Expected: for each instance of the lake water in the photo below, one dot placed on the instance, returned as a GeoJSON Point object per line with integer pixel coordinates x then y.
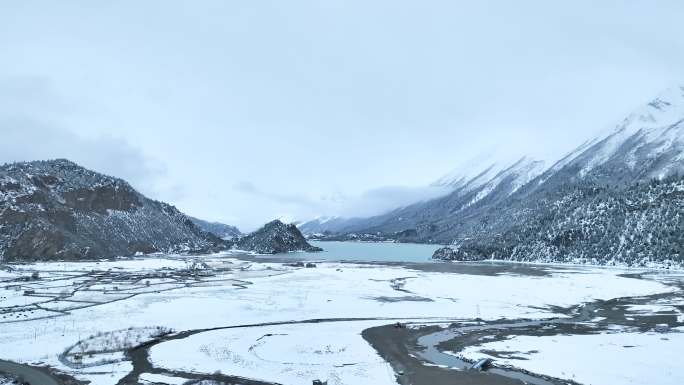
{"type": "Point", "coordinates": [370, 252]}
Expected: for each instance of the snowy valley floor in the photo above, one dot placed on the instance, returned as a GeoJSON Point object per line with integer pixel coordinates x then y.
{"type": "Point", "coordinates": [219, 319]}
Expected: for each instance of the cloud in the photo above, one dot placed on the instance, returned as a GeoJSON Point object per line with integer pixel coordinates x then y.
{"type": "Point", "coordinates": [26, 140]}
{"type": "Point", "coordinates": [249, 188]}
{"type": "Point", "coordinates": [246, 188]}
{"type": "Point", "coordinates": [383, 199]}
{"type": "Point", "coordinates": [30, 112]}
{"type": "Point", "coordinates": [312, 122]}
{"type": "Point", "coordinates": [371, 202]}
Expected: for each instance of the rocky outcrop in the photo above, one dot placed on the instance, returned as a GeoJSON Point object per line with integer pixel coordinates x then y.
{"type": "Point", "coordinates": [445, 253]}
{"type": "Point", "coordinates": [275, 237]}
{"type": "Point", "coordinates": [59, 210]}
{"type": "Point", "coordinates": [451, 254]}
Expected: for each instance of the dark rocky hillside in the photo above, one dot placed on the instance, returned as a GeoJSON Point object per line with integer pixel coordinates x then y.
{"type": "Point", "coordinates": [59, 210]}
{"type": "Point", "coordinates": [275, 237]}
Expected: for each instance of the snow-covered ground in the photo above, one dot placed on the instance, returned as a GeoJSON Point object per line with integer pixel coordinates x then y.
{"type": "Point", "coordinates": [136, 264]}
{"type": "Point", "coordinates": [151, 378]}
{"type": "Point", "coordinates": [289, 354]}
{"type": "Point", "coordinates": [509, 296]}
{"type": "Point", "coordinates": [596, 359]}
{"type": "Point", "coordinates": [277, 293]}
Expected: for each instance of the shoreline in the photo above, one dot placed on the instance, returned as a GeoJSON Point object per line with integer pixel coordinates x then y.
{"type": "Point", "coordinates": [301, 256]}
{"type": "Point", "coordinates": [418, 357]}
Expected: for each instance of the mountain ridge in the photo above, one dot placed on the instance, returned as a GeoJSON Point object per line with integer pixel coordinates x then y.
{"type": "Point", "coordinates": [542, 219]}
{"type": "Point", "coordinates": [56, 209]}
{"type": "Point", "coordinates": [221, 230]}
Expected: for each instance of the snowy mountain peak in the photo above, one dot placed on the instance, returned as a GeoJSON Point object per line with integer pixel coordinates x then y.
{"type": "Point", "coordinates": [509, 179]}
{"type": "Point", "coordinates": [465, 173]}
{"type": "Point", "coordinates": [467, 179]}
{"type": "Point", "coordinates": [665, 110]}
{"type": "Point", "coordinates": [319, 220]}
{"type": "Point", "coordinates": [649, 141]}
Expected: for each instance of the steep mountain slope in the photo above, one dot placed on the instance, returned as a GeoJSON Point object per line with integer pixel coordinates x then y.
{"type": "Point", "coordinates": [221, 230]}
{"type": "Point", "coordinates": [617, 199]}
{"type": "Point", "coordinates": [649, 143]}
{"type": "Point", "coordinates": [423, 221]}
{"type": "Point", "coordinates": [275, 237]}
{"type": "Point", "coordinates": [318, 225]}
{"type": "Point", "coordinates": [330, 225]}
{"type": "Point", "coordinates": [59, 210]}
{"type": "Point", "coordinates": [642, 225]}
{"type": "Point", "coordinates": [470, 178]}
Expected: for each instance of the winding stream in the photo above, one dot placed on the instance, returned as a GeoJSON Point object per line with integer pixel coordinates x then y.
{"type": "Point", "coordinates": [432, 354]}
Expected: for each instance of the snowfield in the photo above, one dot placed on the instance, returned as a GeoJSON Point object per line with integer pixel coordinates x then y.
{"type": "Point", "coordinates": [622, 358]}
{"type": "Point", "coordinates": [289, 354]}
{"type": "Point", "coordinates": [150, 378]}
{"type": "Point", "coordinates": [512, 296]}
{"type": "Point", "coordinates": [248, 293]}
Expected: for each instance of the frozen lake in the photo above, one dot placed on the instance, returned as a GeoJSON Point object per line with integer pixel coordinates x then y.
{"type": "Point", "coordinates": [369, 252]}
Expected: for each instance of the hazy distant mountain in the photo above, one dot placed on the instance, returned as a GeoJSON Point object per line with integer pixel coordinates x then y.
{"type": "Point", "coordinates": [418, 222]}
{"type": "Point", "coordinates": [57, 209]}
{"type": "Point", "coordinates": [221, 230]}
{"type": "Point", "coordinates": [616, 199]}
{"type": "Point", "coordinates": [323, 225]}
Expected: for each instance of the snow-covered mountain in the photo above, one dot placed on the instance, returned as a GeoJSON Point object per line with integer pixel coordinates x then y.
{"type": "Point", "coordinates": [473, 176]}
{"type": "Point", "coordinates": [618, 198]}
{"type": "Point", "coordinates": [60, 210]}
{"type": "Point", "coordinates": [514, 175]}
{"type": "Point", "coordinates": [221, 230]}
{"type": "Point", "coordinates": [318, 225]}
{"type": "Point", "coordinates": [469, 186]}
{"type": "Point", "coordinates": [649, 143]}
{"type": "Point", "coordinates": [57, 209]}
{"type": "Point", "coordinates": [325, 225]}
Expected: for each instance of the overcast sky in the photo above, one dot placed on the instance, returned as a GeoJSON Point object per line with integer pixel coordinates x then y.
{"type": "Point", "coordinates": [244, 111]}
